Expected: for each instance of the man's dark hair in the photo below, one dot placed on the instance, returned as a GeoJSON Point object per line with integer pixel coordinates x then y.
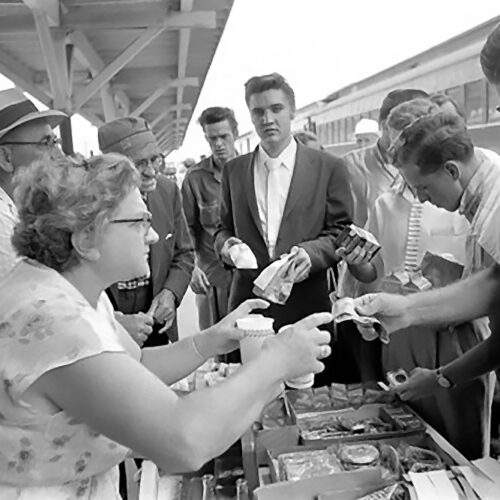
{"type": "Point", "coordinates": [490, 57]}
{"type": "Point", "coordinates": [258, 84]}
{"type": "Point", "coordinates": [440, 98]}
{"type": "Point", "coordinates": [218, 114]}
{"type": "Point", "coordinates": [404, 114]}
{"type": "Point", "coordinates": [395, 97]}
{"type": "Point", "coordinates": [433, 140]}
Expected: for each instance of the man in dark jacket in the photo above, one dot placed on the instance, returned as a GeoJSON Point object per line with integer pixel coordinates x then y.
{"type": "Point", "coordinates": [284, 197]}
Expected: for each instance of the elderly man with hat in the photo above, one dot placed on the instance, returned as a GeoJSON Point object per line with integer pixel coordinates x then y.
{"type": "Point", "coordinates": [25, 136]}
{"type": "Point", "coordinates": [148, 303]}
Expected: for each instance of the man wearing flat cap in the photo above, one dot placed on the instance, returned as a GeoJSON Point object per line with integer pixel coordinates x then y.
{"type": "Point", "coordinates": [25, 136]}
{"type": "Point", "coordinates": [148, 303]}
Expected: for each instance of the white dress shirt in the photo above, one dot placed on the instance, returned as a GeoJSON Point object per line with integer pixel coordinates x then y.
{"type": "Point", "coordinates": [8, 220]}
{"type": "Point", "coordinates": [271, 219]}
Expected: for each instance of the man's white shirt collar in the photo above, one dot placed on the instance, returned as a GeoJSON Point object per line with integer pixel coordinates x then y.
{"type": "Point", "coordinates": [286, 157]}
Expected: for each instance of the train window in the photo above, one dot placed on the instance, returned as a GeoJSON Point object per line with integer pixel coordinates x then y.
{"type": "Point", "coordinates": [342, 136]}
{"type": "Point", "coordinates": [338, 126]}
{"type": "Point", "coordinates": [475, 102]}
{"type": "Point", "coordinates": [350, 129]}
{"type": "Point", "coordinates": [458, 94]}
{"type": "Point", "coordinates": [329, 139]}
{"type": "Point", "coordinates": [321, 133]}
{"type": "Point", "coordinates": [493, 101]}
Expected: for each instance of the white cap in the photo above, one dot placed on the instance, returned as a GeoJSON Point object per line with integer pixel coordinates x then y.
{"type": "Point", "coordinates": [366, 126]}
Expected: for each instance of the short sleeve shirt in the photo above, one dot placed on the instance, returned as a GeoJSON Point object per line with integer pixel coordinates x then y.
{"type": "Point", "coordinates": [8, 220]}
{"type": "Point", "coordinates": [46, 323]}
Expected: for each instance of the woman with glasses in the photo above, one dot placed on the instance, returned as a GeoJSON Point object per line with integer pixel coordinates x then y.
{"type": "Point", "coordinates": [77, 393]}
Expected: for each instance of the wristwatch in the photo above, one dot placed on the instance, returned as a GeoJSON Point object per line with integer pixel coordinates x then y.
{"type": "Point", "coordinates": [443, 381]}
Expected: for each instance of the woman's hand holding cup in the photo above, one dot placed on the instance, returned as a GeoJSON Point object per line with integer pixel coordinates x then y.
{"type": "Point", "coordinates": [301, 347]}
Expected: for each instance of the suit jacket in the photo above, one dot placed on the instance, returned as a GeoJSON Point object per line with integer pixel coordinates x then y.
{"type": "Point", "coordinates": [318, 206]}
{"type": "Point", "coordinates": [172, 256]}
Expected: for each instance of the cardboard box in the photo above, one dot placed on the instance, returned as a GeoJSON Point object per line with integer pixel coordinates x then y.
{"type": "Point", "coordinates": [364, 412]}
{"type": "Point", "coordinates": [343, 486]}
{"type": "Point", "coordinates": [267, 437]}
{"type": "Point", "coordinates": [347, 485]}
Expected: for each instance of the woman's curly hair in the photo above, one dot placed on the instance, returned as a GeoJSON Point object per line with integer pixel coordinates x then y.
{"type": "Point", "coordinates": [58, 198]}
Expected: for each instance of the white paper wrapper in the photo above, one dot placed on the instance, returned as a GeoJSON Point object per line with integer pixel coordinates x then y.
{"type": "Point", "coordinates": [242, 256]}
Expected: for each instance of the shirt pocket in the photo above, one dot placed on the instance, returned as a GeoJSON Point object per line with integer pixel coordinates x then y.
{"type": "Point", "coordinates": [209, 214]}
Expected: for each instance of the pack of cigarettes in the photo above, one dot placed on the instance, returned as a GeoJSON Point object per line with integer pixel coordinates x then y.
{"type": "Point", "coordinates": [353, 236]}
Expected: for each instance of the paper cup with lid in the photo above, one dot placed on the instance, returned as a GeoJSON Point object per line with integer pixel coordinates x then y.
{"type": "Point", "coordinates": [256, 328]}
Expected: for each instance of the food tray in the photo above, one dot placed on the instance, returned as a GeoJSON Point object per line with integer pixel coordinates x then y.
{"type": "Point", "coordinates": [398, 468]}
{"type": "Point", "coordinates": [367, 423]}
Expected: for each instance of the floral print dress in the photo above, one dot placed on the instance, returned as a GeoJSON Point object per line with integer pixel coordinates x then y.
{"type": "Point", "coordinates": [46, 323]}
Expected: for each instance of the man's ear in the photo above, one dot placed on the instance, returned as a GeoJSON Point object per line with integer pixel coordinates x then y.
{"type": "Point", "coordinates": [6, 159]}
{"type": "Point", "coordinates": [84, 243]}
{"type": "Point", "coordinates": [452, 168]}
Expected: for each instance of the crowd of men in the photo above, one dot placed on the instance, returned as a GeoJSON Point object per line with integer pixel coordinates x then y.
{"type": "Point", "coordinates": [290, 196]}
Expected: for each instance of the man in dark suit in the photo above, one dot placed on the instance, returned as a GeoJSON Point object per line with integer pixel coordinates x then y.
{"type": "Point", "coordinates": [283, 197]}
{"type": "Point", "coordinates": [148, 304]}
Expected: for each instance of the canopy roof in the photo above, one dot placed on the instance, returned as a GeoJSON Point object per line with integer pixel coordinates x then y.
{"type": "Point", "coordinates": [110, 58]}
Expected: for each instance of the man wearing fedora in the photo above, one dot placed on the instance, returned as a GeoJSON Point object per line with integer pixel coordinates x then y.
{"type": "Point", "coordinates": [148, 304]}
{"type": "Point", "coordinates": [25, 136]}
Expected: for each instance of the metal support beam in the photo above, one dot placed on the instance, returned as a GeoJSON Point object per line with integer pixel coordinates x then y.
{"type": "Point", "coordinates": [23, 77]}
{"type": "Point", "coordinates": [169, 134]}
{"type": "Point", "coordinates": [113, 18]}
{"type": "Point", "coordinates": [50, 7]}
{"type": "Point", "coordinates": [54, 53]}
{"type": "Point", "coordinates": [108, 104]}
{"type": "Point", "coordinates": [184, 39]}
{"type": "Point", "coordinates": [122, 60]}
{"type": "Point", "coordinates": [173, 125]}
{"type": "Point", "coordinates": [88, 56]}
{"type": "Point", "coordinates": [178, 108]}
{"type": "Point", "coordinates": [178, 82]}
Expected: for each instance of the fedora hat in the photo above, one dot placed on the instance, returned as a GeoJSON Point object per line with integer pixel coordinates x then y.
{"type": "Point", "coordinates": [16, 110]}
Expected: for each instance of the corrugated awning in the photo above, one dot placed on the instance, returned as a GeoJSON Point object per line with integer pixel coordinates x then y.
{"type": "Point", "coordinates": [110, 58]}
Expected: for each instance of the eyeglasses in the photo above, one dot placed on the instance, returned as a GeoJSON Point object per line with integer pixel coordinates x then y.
{"type": "Point", "coordinates": [144, 221]}
{"type": "Point", "coordinates": [156, 161]}
{"type": "Point", "coordinates": [48, 141]}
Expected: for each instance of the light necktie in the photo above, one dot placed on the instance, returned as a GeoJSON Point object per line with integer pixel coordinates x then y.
{"type": "Point", "coordinates": [273, 218]}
